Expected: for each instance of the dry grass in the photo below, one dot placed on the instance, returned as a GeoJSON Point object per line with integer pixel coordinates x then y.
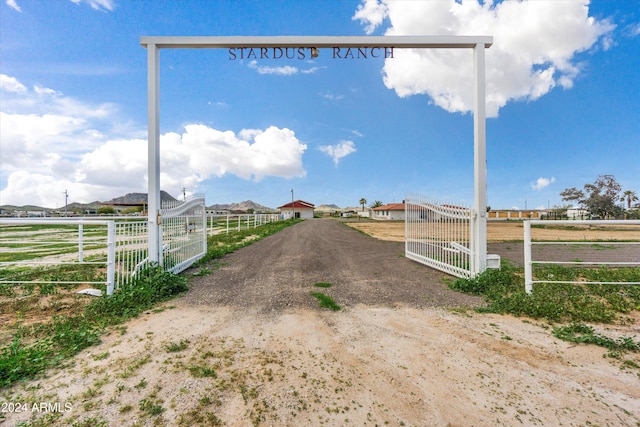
{"type": "Point", "coordinates": [508, 231]}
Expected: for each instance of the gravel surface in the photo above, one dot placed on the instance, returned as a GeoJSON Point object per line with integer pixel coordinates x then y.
{"type": "Point", "coordinates": [280, 271]}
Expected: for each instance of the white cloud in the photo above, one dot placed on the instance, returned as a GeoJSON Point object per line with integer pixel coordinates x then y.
{"type": "Point", "coordinates": [286, 70]}
{"type": "Point", "coordinates": [98, 4]}
{"type": "Point", "coordinates": [535, 43]}
{"type": "Point", "coordinates": [331, 97]}
{"type": "Point", "coordinates": [372, 13]}
{"type": "Point", "coordinates": [634, 29]}
{"type": "Point", "coordinates": [542, 183]}
{"type": "Point", "coordinates": [51, 143]}
{"type": "Point", "coordinates": [107, 5]}
{"type": "Point", "coordinates": [14, 5]}
{"type": "Point", "coordinates": [11, 84]}
{"type": "Point", "coordinates": [338, 151]}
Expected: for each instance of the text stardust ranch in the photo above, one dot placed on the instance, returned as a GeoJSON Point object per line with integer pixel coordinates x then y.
{"type": "Point", "coordinates": [300, 53]}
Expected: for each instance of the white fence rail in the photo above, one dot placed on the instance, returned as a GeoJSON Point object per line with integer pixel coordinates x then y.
{"type": "Point", "coordinates": [220, 223]}
{"type": "Point", "coordinates": [117, 244]}
{"type": "Point", "coordinates": [60, 237]}
{"type": "Point", "coordinates": [439, 235]}
{"type": "Point", "coordinates": [529, 242]}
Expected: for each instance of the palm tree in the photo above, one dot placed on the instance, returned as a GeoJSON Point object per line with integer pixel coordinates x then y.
{"type": "Point", "coordinates": [376, 204]}
{"type": "Point", "coordinates": [363, 202]}
{"type": "Point", "coordinates": [629, 196]}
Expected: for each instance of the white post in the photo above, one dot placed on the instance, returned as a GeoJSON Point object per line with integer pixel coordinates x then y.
{"type": "Point", "coordinates": [80, 244]}
{"type": "Point", "coordinates": [528, 266]}
{"type": "Point", "coordinates": [153, 166]}
{"type": "Point", "coordinates": [111, 256]}
{"type": "Point", "coordinates": [204, 231]}
{"type": "Point", "coordinates": [479, 263]}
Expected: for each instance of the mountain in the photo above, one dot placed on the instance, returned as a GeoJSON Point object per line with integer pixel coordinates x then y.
{"type": "Point", "coordinates": [328, 208]}
{"type": "Point", "coordinates": [137, 199]}
{"type": "Point", "coordinates": [242, 206]}
{"type": "Point", "coordinates": [23, 208]}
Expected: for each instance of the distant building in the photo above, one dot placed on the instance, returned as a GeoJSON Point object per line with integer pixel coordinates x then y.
{"type": "Point", "coordinates": [516, 214]}
{"type": "Point", "coordinates": [299, 208]}
{"type": "Point", "coordinates": [577, 213]}
{"type": "Point", "coordinates": [390, 212]}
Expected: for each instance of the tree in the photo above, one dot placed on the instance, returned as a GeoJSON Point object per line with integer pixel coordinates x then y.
{"type": "Point", "coordinates": [106, 210]}
{"type": "Point", "coordinates": [599, 198]}
{"type": "Point", "coordinates": [363, 202]}
{"type": "Point", "coordinates": [376, 204]}
{"type": "Point", "coordinates": [629, 196]}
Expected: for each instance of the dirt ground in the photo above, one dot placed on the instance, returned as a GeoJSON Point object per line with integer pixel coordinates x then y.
{"type": "Point", "coordinates": [249, 345]}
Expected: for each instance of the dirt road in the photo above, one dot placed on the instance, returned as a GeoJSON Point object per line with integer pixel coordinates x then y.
{"type": "Point", "coordinates": [248, 345]}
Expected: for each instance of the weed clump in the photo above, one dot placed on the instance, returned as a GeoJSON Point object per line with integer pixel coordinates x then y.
{"type": "Point", "coordinates": [326, 301]}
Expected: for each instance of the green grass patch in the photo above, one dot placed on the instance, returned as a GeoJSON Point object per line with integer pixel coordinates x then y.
{"type": "Point", "coordinates": [581, 333]}
{"type": "Point", "coordinates": [504, 292]}
{"type": "Point", "coordinates": [322, 285]}
{"type": "Point", "coordinates": [326, 301]}
{"type": "Point", "coordinates": [557, 302]}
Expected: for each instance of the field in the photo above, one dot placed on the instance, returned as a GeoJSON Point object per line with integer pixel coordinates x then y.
{"type": "Point", "coordinates": [248, 344]}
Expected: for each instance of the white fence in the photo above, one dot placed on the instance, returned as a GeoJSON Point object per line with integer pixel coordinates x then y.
{"type": "Point", "coordinates": [219, 223]}
{"type": "Point", "coordinates": [529, 242]}
{"type": "Point", "coordinates": [119, 244]}
{"type": "Point", "coordinates": [439, 235]}
{"type": "Point", "coordinates": [60, 236]}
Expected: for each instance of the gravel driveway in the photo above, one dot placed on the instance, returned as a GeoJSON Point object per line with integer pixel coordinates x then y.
{"type": "Point", "coordinates": [280, 271]}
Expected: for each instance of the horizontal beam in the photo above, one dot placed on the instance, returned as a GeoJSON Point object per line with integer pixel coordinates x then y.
{"type": "Point", "coordinates": [432, 42]}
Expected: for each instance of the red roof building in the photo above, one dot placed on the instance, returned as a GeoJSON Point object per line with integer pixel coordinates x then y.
{"type": "Point", "coordinates": [297, 209]}
{"type": "Point", "coordinates": [392, 211]}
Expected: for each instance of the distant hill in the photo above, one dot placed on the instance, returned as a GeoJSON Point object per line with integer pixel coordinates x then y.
{"type": "Point", "coordinates": [241, 206]}
{"type": "Point", "coordinates": [328, 208]}
{"type": "Point", "coordinates": [23, 208]}
{"type": "Point", "coordinates": [137, 199]}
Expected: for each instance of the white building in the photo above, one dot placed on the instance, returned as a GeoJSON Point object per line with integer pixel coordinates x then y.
{"type": "Point", "coordinates": [299, 208]}
{"type": "Point", "coordinates": [391, 212]}
{"type": "Point", "coordinates": [577, 213]}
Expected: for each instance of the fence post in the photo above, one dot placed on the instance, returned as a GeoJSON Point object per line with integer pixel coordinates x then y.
{"type": "Point", "coordinates": [204, 231]}
{"type": "Point", "coordinates": [80, 246]}
{"type": "Point", "coordinates": [111, 256]}
{"type": "Point", "coordinates": [528, 273]}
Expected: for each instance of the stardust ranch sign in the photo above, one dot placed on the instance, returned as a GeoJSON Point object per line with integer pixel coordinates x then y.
{"type": "Point", "coordinates": [308, 52]}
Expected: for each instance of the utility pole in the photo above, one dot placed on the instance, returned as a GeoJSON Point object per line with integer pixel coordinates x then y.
{"type": "Point", "coordinates": [293, 206]}
{"type": "Point", "coordinates": [66, 198]}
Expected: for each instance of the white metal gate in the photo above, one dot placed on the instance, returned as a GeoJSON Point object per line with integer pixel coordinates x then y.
{"type": "Point", "coordinates": [184, 233]}
{"type": "Point", "coordinates": [439, 235]}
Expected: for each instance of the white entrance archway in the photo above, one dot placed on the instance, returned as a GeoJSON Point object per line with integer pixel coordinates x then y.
{"type": "Point", "coordinates": [476, 43]}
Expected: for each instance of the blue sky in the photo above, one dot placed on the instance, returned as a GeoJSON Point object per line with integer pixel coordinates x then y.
{"type": "Point", "coordinates": [563, 95]}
